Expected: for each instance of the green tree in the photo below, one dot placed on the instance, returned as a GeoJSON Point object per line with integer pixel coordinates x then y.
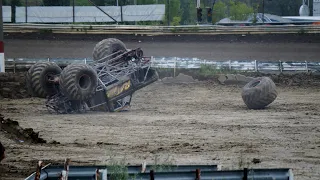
{"type": "Point", "coordinates": [56, 2]}
{"type": "Point", "coordinates": [185, 12]}
{"type": "Point", "coordinates": [172, 10]}
{"type": "Point", "coordinates": [176, 21]}
{"type": "Point", "coordinates": [142, 2]}
{"type": "Point", "coordinates": [239, 10]}
{"type": "Point", "coordinates": [219, 11]}
{"type": "Point", "coordinates": [5, 2]}
{"type": "Point", "coordinates": [255, 12]}
{"type": "Point", "coordinates": [282, 7]}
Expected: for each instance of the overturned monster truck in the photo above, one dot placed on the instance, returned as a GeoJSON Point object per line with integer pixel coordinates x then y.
{"type": "Point", "coordinates": [106, 85]}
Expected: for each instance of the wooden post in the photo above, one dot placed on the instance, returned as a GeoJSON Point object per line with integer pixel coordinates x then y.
{"type": "Point", "coordinates": [38, 170]}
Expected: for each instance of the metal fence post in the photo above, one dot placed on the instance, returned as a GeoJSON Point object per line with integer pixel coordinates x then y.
{"type": "Point", "coordinates": [48, 59]}
{"type": "Point", "coordinates": [73, 18]}
{"type": "Point", "coordinates": [121, 13]}
{"type": "Point", "coordinates": [85, 60]}
{"type": "Point", "coordinates": [280, 66]}
{"type": "Point", "coordinates": [230, 65]}
{"type": "Point", "coordinates": [26, 11]}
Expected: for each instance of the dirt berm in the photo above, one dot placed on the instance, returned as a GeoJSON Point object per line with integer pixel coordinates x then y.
{"type": "Point", "coordinates": [13, 85]}
{"type": "Point", "coordinates": [17, 133]}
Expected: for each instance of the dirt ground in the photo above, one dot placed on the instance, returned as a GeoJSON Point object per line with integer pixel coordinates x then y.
{"type": "Point", "coordinates": [284, 47]}
{"type": "Point", "coordinates": [196, 123]}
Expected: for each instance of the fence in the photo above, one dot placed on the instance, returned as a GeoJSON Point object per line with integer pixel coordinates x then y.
{"type": "Point", "coordinates": [168, 173]}
{"type": "Point", "coordinates": [6, 13]}
{"type": "Point", "coordinates": [22, 64]}
{"type": "Point", "coordinates": [68, 14]}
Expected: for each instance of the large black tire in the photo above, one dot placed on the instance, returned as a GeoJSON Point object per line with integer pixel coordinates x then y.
{"type": "Point", "coordinates": [78, 82]}
{"type": "Point", "coordinates": [28, 82]}
{"type": "Point", "coordinates": [259, 93]}
{"type": "Point", "coordinates": [107, 47]}
{"type": "Point", "coordinates": [37, 79]}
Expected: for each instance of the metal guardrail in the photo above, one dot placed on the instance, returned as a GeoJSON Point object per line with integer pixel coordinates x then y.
{"type": "Point", "coordinates": [23, 64]}
{"type": "Point", "coordinates": [129, 29]}
{"type": "Point", "coordinates": [246, 174]}
{"type": "Point", "coordinates": [184, 172]}
{"type": "Point", "coordinates": [267, 23]}
{"type": "Point", "coordinates": [89, 171]}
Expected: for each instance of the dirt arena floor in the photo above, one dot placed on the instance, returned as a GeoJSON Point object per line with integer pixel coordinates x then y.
{"type": "Point", "coordinates": [197, 123]}
{"type": "Point", "coordinates": [284, 47]}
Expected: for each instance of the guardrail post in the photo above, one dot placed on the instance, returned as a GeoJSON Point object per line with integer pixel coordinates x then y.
{"type": "Point", "coordinates": [48, 59]}
{"type": "Point", "coordinates": [151, 175]}
{"type": "Point", "coordinates": [197, 174]}
{"type": "Point", "coordinates": [245, 174]}
{"type": "Point", "coordinates": [307, 67]}
{"type": "Point", "coordinates": [230, 65]}
{"type": "Point", "coordinates": [85, 60]}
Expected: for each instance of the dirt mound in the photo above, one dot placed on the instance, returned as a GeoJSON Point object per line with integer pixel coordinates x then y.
{"type": "Point", "coordinates": [16, 132]}
{"type": "Point", "coordinates": [181, 78]}
{"type": "Point", "coordinates": [296, 79]}
{"type": "Point", "coordinates": [300, 79]}
{"type": "Point", "coordinates": [283, 79]}
{"type": "Point", "coordinates": [13, 85]}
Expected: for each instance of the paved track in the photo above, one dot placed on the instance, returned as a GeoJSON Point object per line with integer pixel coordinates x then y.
{"type": "Point", "coordinates": [230, 48]}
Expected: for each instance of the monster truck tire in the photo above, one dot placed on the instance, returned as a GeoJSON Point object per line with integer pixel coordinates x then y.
{"type": "Point", "coordinates": [78, 82]}
{"type": "Point", "coordinates": [28, 82]}
{"type": "Point", "coordinates": [37, 79]}
{"type": "Point", "coordinates": [107, 47]}
{"type": "Point", "coordinates": [259, 93]}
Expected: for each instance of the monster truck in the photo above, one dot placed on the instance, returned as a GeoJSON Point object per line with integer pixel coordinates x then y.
{"type": "Point", "coordinates": [106, 85]}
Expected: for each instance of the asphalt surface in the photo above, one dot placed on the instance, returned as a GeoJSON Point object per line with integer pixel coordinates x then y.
{"type": "Point", "coordinates": [229, 47]}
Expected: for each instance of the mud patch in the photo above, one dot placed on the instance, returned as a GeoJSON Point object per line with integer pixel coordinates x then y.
{"type": "Point", "coordinates": [19, 134]}
{"type": "Point", "coordinates": [12, 172]}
